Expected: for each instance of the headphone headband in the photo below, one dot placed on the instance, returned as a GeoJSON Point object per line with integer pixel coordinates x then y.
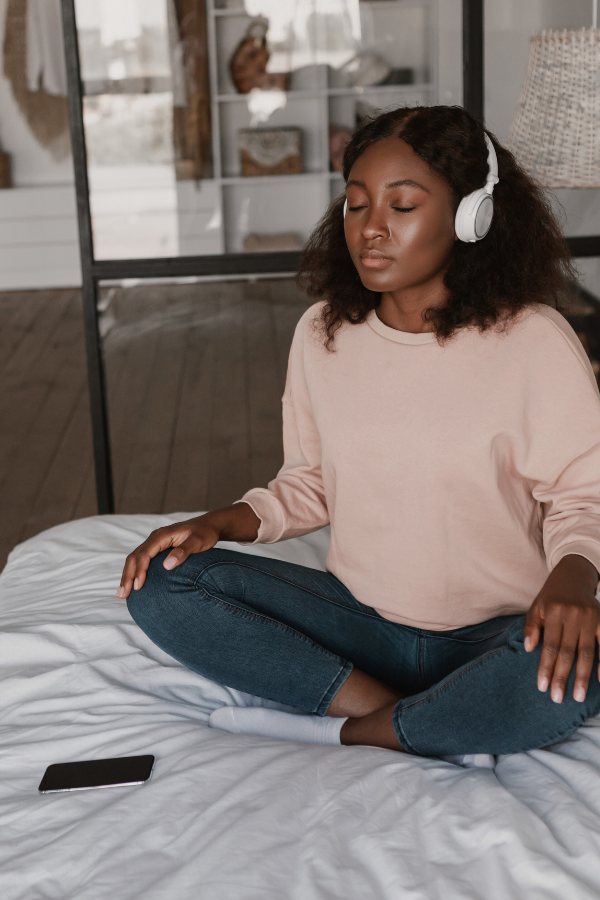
{"type": "Point", "coordinates": [475, 211]}
{"type": "Point", "coordinates": [492, 175]}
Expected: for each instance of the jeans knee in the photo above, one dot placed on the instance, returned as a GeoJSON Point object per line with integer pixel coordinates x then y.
{"type": "Point", "coordinates": [146, 603]}
{"type": "Point", "coordinates": [165, 592]}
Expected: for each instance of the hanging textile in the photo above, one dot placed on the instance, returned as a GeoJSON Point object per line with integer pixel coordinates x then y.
{"type": "Point", "coordinates": [45, 48]}
{"type": "Point", "coordinates": [192, 122]}
{"type": "Point", "coordinates": [176, 53]}
{"type": "Point", "coordinates": [47, 114]}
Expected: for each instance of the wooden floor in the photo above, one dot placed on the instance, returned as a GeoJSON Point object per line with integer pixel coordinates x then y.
{"type": "Point", "coordinates": [195, 376]}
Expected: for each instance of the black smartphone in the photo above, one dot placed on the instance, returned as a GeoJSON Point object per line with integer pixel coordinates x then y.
{"type": "Point", "coordinates": [96, 773]}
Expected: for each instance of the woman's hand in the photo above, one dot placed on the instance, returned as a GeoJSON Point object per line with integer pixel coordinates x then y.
{"type": "Point", "coordinates": [233, 523]}
{"type": "Point", "coordinates": [567, 609]}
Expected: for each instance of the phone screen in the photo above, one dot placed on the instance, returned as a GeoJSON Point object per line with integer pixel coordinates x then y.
{"type": "Point", "coordinates": [96, 773]}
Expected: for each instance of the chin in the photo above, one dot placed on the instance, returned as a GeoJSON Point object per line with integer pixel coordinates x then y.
{"type": "Point", "coordinates": [378, 283]}
{"type": "Point", "coordinates": [378, 280]}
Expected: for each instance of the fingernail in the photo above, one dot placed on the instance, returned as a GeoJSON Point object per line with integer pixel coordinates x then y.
{"type": "Point", "coordinates": [136, 585]}
{"type": "Point", "coordinates": [557, 695]}
{"type": "Point", "coordinates": [170, 562]}
{"type": "Point", "coordinates": [527, 644]}
{"type": "Point", "coordinates": [543, 684]}
{"type": "Point", "coordinates": [579, 694]}
{"type": "Point", "coordinates": [121, 592]}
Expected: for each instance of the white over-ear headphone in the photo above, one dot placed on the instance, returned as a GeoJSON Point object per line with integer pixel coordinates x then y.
{"type": "Point", "coordinates": [475, 211]}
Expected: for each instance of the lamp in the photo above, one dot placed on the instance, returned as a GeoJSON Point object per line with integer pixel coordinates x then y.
{"type": "Point", "coordinates": [555, 134]}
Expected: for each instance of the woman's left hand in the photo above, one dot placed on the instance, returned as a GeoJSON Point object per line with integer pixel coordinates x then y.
{"type": "Point", "coordinates": [567, 610]}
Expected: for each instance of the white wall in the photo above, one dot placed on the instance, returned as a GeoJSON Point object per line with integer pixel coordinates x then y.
{"type": "Point", "coordinates": [509, 25]}
{"type": "Point", "coordinates": [38, 222]}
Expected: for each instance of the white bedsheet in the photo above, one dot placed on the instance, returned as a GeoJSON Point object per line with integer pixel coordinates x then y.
{"type": "Point", "coordinates": [238, 817]}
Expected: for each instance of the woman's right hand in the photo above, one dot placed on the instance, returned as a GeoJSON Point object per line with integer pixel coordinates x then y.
{"type": "Point", "coordinates": [235, 523]}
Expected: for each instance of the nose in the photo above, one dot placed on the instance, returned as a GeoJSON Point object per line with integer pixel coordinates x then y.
{"type": "Point", "coordinates": [375, 223]}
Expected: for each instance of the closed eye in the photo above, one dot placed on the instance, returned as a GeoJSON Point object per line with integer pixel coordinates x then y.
{"type": "Point", "coordinates": [404, 209]}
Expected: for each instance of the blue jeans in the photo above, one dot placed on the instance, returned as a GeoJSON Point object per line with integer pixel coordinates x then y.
{"type": "Point", "coordinates": [293, 634]}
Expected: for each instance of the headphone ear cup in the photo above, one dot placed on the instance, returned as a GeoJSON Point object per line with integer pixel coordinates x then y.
{"type": "Point", "coordinates": [345, 208]}
{"type": "Point", "coordinates": [474, 216]}
{"type": "Point", "coordinates": [461, 221]}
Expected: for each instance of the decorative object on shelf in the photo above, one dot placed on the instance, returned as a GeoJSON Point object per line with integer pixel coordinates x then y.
{"type": "Point", "coordinates": [366, 69]}
{"type": "Point", "coordinates": [307, 78]}
{"type": "Point", "coordinates": [47, 114]}
{"type": "Point", "coordinates": [265, 243]}
{"type": "Point", "coordinates": [248, 64]}
{"type": "Point", "coordinates": [5, 179]}
{"type": "Point", "coordinates": [400, 76]}
{"type": "Point", "coordinates": [556, 128]}
{"type": "Point", "coordinates": [270, 151]}
{"type": "Point", "coordinates": [338, 139]}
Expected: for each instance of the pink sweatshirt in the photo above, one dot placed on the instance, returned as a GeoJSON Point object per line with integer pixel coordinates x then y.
{"type": "Point", "coordinates": [454, 478]}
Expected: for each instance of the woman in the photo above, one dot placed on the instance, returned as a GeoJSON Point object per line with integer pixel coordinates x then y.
{"type": "Point", "coordinates": [441, 414]}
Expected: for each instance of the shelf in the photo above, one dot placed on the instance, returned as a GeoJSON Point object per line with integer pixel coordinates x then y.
{"type": "Point", "coordinates": [259, 179]}
{"type": "Point", "coordinates": [372, 4]}
{"type": "Point", "coordinates": [390, 4]}
{"type": "Point", "coordinates": [377, 88]}
{"type": "Point", "coordinates": [225, 13]}
{"type": "Point", "coordinates": [317, 99]}
{"type": "Point", "coordinates": [293, 95]}
{"type": "Point", "coordinates": [272, 179]}
{"type": "Point", "coordinates": [358, 91]}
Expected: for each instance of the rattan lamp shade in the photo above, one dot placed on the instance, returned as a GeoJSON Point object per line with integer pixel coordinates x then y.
{"type": "Point", "coordinates": [555, 134]}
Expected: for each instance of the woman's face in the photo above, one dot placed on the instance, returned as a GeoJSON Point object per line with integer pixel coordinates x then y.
{"type": "Point", "coordinates": [400, 221]}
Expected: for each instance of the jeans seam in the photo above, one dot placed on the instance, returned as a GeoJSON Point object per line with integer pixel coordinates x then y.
{"type": "Point", "coordinates": [454, 677]}
{"type": "Point", "coordinates": [421, 658]}
{"type": "Point", "coordinates": [207, 566]}
{"type": "Point", "coordinates": [260, 616]}
{"type": "Point", "coordinates": [546, 741]}
{"type": "Point", "coordinates": [343, 668]}
{"type": "Point", "coordinates": [440, 635]}
{"type": "Point", "coordinates": [401, 707]}
{"type": "Point", "coordinates": [403, 740]}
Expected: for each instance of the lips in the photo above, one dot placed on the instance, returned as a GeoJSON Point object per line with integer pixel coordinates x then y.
{"type": "Point", "coordinates": [373, 259]}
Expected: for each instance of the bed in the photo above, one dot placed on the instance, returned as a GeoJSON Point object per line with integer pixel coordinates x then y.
{"type": "Point", "coordinates": [239, 817]}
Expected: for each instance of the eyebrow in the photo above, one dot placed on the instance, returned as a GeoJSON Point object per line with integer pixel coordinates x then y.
{"type": "Point", "coordinates": [392, 184]}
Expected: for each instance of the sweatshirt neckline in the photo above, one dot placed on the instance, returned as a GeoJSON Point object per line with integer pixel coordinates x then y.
{"type": "Point", "coordinates": [401, 337]}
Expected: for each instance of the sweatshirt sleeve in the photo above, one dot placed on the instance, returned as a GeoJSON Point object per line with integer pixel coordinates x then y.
{"type": "Point", "coordinates": [562, 420]}
{"type": "Point", "coordinates": [294, 502]}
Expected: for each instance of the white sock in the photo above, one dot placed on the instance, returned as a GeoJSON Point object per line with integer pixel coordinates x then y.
{"type": "Point", "coordinates": [275, 724]}
{"type": "Point", "coordinates": [472, 760]}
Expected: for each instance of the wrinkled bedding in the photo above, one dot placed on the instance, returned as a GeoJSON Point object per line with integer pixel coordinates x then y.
{"type": "Point", "coordinates": [238, 817]}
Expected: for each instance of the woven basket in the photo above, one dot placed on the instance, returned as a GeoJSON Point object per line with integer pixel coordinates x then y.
{"type": "Point", "coordinates": [555, 134]}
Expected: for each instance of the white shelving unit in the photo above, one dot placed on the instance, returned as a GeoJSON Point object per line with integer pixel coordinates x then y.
{"type": "Point", "coordinates": [404, 32]}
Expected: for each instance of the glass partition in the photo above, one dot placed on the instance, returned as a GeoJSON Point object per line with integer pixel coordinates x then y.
{"type": "Point", "coordinates": [218, 126]}
{"type": "Point", "coordinates": [195, 375]}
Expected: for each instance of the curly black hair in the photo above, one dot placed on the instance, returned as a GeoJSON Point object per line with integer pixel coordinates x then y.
{"type": "Point", "coordinates": [524, 259]}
